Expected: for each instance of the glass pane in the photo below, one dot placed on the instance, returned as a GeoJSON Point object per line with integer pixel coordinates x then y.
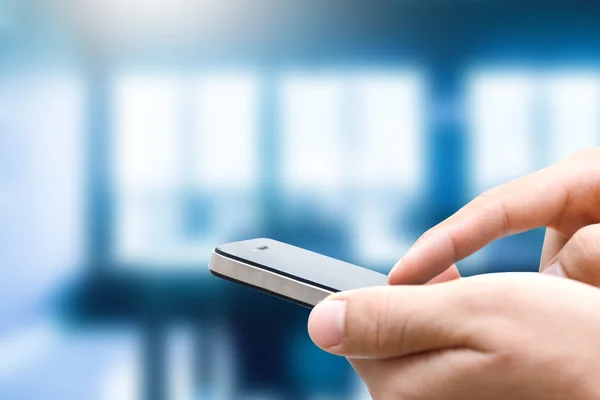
{"type": "Point", "coordinates": [379, 240]}
{"type": "Point", "coordinates": [185, 166]}
{"type": "Point", "coordinates": [574, 113]}
{"type": "Point", "coordinates": [42, 127]}
{"type": "Point", "coordinates": [388, 110]}
{"type": "Point", "coordinates": [502, 127]}
{"type": "Point", "coordinates": [313, 133]}
{"type": "Point", "coordinates": [390, 130]}
{"type": "Point", "coordinates": [226, 131]}
{"type": "Point", "coordinates": [147, 226]}
{"type": "Point", "coordinates": [147, 140]}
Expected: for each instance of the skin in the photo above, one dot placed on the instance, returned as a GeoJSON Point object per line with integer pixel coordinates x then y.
{"type": "Point", "coordinates": [525, 336]}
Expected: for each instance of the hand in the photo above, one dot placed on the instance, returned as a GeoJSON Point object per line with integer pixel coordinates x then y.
{"type": "Point", "coordinates": [565, 198]}
{"type": "Point", "coordinates": [505, 336]}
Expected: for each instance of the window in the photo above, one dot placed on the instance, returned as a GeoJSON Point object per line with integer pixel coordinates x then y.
{"type": "Point", "coordinates": [187, 167]}
{"type": "Point", "coordinates": [352, 148]}
{"type": "Point", "coordinates": [573, 102]}
{"type": "Point", "coordinates": [148, 115]}
{"type": "Point", "coordinates": [502, 124]}
{"type": "Point", "coordinates": [389, 117]}
{"type": "Point", "coordinates": [226, 125]}
{"type": "Point", "coordinates": [147, 165]}
{"type": "Point", "coordinates": [42, 122]}
{"type": "Point", "coordinates": [185, 164]}
{"type": "Point", "coordinates": [389, 153]}
{"type": "Point", "coordinates": [313, 115]}
{"type": "Point", "coordinates": [522, 121]}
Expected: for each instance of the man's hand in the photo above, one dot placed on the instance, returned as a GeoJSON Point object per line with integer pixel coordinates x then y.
{"type": "Point", "coordinates": [505, 336]}
{"type": "Point", "coordinates": [565, 198]}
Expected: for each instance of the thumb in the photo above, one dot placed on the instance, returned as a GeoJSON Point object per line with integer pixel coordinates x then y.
{"type": "Point", "coordinates": [579, 259]}
{"type": "Point", "coordinates": [394, 321]}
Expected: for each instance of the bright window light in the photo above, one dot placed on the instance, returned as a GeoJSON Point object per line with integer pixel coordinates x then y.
{"type": "Point", "coordinates": [502, 121]}
{"type": "Point", "coordinates": [573, 112]}
{"type": "Point", "coordinates": [148, 131]}
{"type": "Point", "coordinates": [378, 239]}
{"type": "Point", "coordinates": [185, 165]}
{"type": "Point", "coordinates": [42, 126]}
{"type": "Point", "coordinates": [387, 112]}
{"type": "Point", "coordinates": [147, 227]}
{"type": "Point", "coordinates": [226, 145]}
{"type": "Point", "coordinates": [123, 379]}
{"type": "Point", "coordinates": [147, 151]}
{"type": "Point", "coordinates": [390, 130]}
{"type": "Point", "coordinates": [181, 349]}
{"type": "Point", "coordinates": [313, 133]}
{"type": "Point", "coordinates": [22, 350]}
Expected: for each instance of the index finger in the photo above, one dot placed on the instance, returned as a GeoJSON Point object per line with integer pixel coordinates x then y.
{"type": "Point", "coordinates": [526, 203]}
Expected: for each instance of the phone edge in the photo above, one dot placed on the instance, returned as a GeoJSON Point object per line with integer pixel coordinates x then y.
{"type": "Point", "coordinates": [266, 281]}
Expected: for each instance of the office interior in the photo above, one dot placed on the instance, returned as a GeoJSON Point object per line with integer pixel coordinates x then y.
{"type": "Point", "coordinates": [135, 136]}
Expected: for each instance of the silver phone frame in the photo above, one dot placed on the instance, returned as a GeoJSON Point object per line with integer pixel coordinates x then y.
{"type": "Point", "coordinates": [278, 285]}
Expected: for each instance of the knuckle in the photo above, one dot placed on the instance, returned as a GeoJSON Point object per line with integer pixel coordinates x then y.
{"type": "Point", "coordinates": [581, 260]}
{"type": "Point", "coordinates": [587, 244]}
{"type": "Point", "coordinates": [385, 331]}
{"type": "Point", "coordinates": [493, 205]}
{"type": "Point", "coordinates": [381, 323]}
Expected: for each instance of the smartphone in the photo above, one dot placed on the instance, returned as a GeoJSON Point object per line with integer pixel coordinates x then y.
{"type": "Point", "coordinates": [288, 272]}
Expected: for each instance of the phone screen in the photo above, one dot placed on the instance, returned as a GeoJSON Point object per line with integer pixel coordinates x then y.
{"type": "Point", "coordinates": [302, 265]}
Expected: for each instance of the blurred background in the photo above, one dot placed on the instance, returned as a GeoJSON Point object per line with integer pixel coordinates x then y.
{"type": "Point", "coordinates": [136, 135]}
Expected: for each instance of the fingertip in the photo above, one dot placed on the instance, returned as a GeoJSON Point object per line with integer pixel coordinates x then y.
{"type": "Point", "coordinates": [404, 273]}
{"type": "Point", "coordinates": [427, 259]}
{"type": "Point", "coordinates": [392, 274]}
{"type": "Point", "coordinates": [326, 323]}
{"type": "Point", "coordinates": [555, 269]}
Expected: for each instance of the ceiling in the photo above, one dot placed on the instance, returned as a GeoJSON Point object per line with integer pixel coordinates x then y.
{"type": "Point", "coordinates": [278, 30]}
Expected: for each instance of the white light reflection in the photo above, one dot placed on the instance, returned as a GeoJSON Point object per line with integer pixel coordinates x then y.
{"type": "Point", "coordinates": [313, 133]}
{"type": "Point", "coordinates": [389, 152]}
{"type": "Point", "coordinates": [502, 120]}
{"type": "Point", "coordinates": [573, 112]}
{"type": "Point", "coordinates": [148, 132]}
{"type": "Point", "coordinates": [227, 124]}
{"type": "Point", "coordinates": [390, 130]}
{"type": "Point", "coordinates": [185, 149]}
